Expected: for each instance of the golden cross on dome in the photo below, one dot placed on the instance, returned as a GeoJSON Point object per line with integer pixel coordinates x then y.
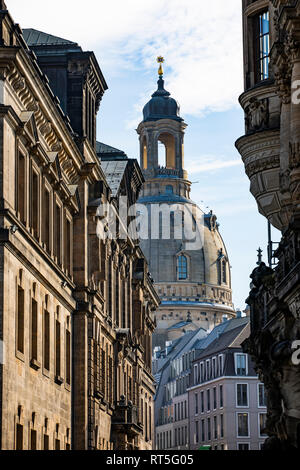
{"type": "Point", "coordinates": [160, 61]}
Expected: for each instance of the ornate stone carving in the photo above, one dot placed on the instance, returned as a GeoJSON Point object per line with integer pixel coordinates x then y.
{"type": "Point", "coordinates": [57, 147]}
{"type": "Point", "coordinates": [294, 155]}
{"type": "Point", "coordinates": [257, 114]}
{"type": "Point", "coordinates": [46, 128]}
{"type": "Point", "coordinates": [19, 84]}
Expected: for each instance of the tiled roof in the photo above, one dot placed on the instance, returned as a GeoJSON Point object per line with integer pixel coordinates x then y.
{"type": "Point", "coordinates": [225, 340]}
{"type": "Point", "coordinates": [33, 37]}
{"type": "Point", "coordinates": [114, 172]}
{"type": "Point", "coordinates": [104, 150]}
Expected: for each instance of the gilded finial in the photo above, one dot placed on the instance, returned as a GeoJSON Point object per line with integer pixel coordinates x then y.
{"type": "Point", "coordinates": [160, 61]}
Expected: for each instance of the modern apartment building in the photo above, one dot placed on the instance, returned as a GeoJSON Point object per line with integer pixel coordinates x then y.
{"type": "Point", "coordinates": [208, 393]}
{"type": "Point", "coordinates": [226, 399]}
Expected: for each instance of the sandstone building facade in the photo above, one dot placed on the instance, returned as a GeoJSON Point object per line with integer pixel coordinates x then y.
{"type": "Point", "coordinates": [270, 151]}
{"type": "Point", "coordinates": [76, 311]}
{"type": "Point", "coordinates": [193, 280]}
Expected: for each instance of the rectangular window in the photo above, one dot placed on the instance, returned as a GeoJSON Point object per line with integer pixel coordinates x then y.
{"type": "Point", "coordinates": [46, 219]}
{"type": "Point", "coordinates": [202, 401]}
{"type": "Point", "coordinates": [195, 374]}
{"type": "Point", "coordinates": [221, 426]}
{"type": "Point", "coordinates": [46, 340]}
{"type": "Point", "coordinates": [243, 446]}
{"type": "Point", "coordinates": [261, 395]}
{"type": "Point", "coordinates": [182, 267]}
{"type": "Point", "coordinates": [19, 437]}
{"type": "Point", "coordinates": [262, 39]}
{"type": "Point", "coordinates": [215, 397]}
{"type": "Point", "coordinates": [207, 370]}
{"type": "Point", "coordinates": [262, 424]}
{"type": "Point", "coordinates": [57, 444]}
{"type": "Point", "coordinates": [208, 400]}
{"type": "Point", "coordinates": [196, 404]}
{"type": "Point", "coordinates": [203, 430]}
{"type": "Point", "coordinates": [57, 237]}
{"type": "Point", "coordinates": [243, 428]}
{"type": "Point", "coordinates": [68, 357]}
{"type": "Point", "coordinates": [201, 372]}
{"type": "Point", "coordinates": [221, 396]}
{"type": "Point", "coordinates": [242, 395]}
{"type": "Point", "coordinates": [20, 320]}
{"type": "Point", "coordinates": [215, 428]}
{"type": "Point", "coordinates": [241, 364]}
{"type": "Point", "coordinates": [35, 205]}
{"type": "Point", "coordinates": [208, 430]}
{"type": "Point", "coordinates": [34, 329]}
{"type": "Point", "coordinates": [21, 188]}
{"type": "Point", "coordinates": [67, 250]}
{"type": "Point", "coordinates": [32, 439]}
{"type": "Point", "coordinates": [221, 361]}
{"type": "Point", "coordinates": [57, 349]}
{"type": "Point", "coordinates": [46, 442]}
{"type": "Point", "coordinates": [214, 368]}
{"type": "Point", "coordinates": [197, 431]}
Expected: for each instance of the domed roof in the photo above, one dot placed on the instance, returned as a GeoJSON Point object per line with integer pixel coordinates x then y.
{"type": "Point", "coordinates": [161, 105]}
{"type": "Point", "coordinates": [203, 267]}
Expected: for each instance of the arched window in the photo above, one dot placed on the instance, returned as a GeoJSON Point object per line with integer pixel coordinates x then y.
{"type": "Point", "coordinates": [182, 267]}
{"type": "Point", "coordinates": [166, 150]}
{"type": "Point", "coordinates": [224, 271]}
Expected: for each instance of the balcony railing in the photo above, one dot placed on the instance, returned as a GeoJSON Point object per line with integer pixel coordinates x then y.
{"type": "Point", "coordinates": [126, 418]}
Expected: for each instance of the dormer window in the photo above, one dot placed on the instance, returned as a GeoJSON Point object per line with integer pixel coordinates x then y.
{"type": "Point", "coordinates": [241, 364]}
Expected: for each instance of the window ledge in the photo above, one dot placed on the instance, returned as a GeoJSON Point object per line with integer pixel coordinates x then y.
{"type": "Point", "coordinates": [59, 380]}
{"type": "Point", "coordinates": [20, 355]}
{"type": "Point", "coordinates": [35, 364]}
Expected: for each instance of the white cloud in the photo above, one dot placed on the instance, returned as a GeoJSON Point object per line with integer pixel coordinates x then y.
{"type": "Point", "coordinates": [208, 163]}
{"type": "Point", "coordinates": [201, 44]}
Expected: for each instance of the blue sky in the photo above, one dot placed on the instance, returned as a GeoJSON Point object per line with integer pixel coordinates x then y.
{"type": "Point", "coordinates": [203, 71]}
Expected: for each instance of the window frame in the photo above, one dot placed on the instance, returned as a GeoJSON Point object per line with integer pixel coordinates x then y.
{"type": "Point", "coordinates": [259, 55]}
{"type": "Point", "coordinates": [259, 428]}
{"type": "Point", "coordinates": [179, 268]}
{"type": "Point", "coordinates": [235, 363]}
{"type": "Point", "coordinates": [236, 395]}
{"type": "Point", "coordinates": [237, 425]}
{"type": "Point", "coordinates": [258, 405]}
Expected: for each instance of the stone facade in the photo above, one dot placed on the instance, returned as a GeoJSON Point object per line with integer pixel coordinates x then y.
{"type": "Point", "coordinates": [192, 278]}
{"type": "Point", "coordinates": [76, 311]}
{"type": "Point", "coordinates": [270, 151]}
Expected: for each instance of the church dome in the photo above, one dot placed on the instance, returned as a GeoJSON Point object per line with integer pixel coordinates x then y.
{"type": "Point", "coordinates": [161, 105]}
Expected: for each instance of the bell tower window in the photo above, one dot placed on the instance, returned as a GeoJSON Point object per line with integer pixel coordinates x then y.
{"type": "Point", "coordinates": [166, 156]}
{"type": "Point", "coordinates": [144, 154]}
{"type": "Point", "coordinates": [182, 265]}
